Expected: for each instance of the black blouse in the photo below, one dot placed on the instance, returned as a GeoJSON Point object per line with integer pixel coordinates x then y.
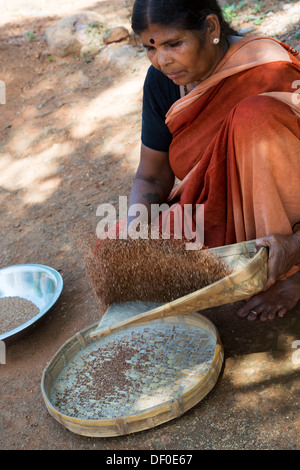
{"type": "Point", "coordinates": [159, 94]}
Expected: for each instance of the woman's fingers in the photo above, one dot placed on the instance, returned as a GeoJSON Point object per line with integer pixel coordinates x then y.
{"type": "Point", "coordinates": [279, 247]}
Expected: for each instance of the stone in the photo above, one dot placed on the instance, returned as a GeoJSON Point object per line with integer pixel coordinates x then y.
{"type": "Point", "coordinates": [77, 80]}
{"type": "Point", "coordinates": [117, 55]}
{"type": "Point", "coordinates": [116, 34]}
{"type": "Point", "coordinates": [72, 33]}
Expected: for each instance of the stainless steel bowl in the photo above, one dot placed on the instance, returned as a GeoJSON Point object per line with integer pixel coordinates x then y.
{"type": "Point", "coordinates": [40, 284]}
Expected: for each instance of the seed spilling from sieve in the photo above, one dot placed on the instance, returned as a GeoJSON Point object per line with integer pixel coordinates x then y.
{"type": "Point", "coordinates": [151, 270]}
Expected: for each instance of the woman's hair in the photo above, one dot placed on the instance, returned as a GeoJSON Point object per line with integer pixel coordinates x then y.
{"type": "Point", "coordinates": [183, 14]}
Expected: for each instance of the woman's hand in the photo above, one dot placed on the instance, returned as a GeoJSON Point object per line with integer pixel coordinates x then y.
{"type": "Point", "coordinates": [284, 253]}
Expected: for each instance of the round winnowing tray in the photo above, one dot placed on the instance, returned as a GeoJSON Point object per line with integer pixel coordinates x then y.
{"type": "Point", "coordinates": [134, 378]}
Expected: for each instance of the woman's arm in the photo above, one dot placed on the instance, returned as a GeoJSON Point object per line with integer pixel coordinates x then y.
{"type": "Point", "coordinates": [153, 181]}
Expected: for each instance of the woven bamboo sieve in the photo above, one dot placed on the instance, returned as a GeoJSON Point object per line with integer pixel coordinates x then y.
{"type": "Point", "coordinates": [187, 357]}
{"type": "Point", "coordinates": [248, 277]}
{"type": "Point", "coordinates": [183, 368]}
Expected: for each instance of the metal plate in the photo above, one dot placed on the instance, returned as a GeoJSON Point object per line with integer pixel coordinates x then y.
{"type": "Point", "coordinates": [40, 284]}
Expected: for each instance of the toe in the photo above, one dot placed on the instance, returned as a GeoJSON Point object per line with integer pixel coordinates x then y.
{"type": "Point", "coordinates": [245, 311]}
{"type": "Point", "coordinates": [255, 312]}
{"type": "Point", "coordinates": [282, 312]}
{"type": "Point", "coordinates": [252, 316]}
{"type": "Point", "coordinates": [242, 312]}
{"type": "Point", "coordinates": [264, 315]}
{"type": "Point", "coordinates": [272, 314]}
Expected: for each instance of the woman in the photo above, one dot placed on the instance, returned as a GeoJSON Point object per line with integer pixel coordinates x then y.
{"type": "Point", "coordinates": [221, 114]}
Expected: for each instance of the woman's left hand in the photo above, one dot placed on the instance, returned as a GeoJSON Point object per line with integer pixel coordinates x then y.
{"type": "Point", "coordinates": [277, 297]}
{"type": "Point", "coordinates": [284, 253]}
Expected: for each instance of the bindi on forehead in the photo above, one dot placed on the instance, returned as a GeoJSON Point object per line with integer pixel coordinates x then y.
{"type": "Point", "coordinates": [159, 37]}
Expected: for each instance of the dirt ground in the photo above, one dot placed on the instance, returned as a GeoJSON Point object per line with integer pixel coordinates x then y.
{"type": "Point", "coordinates": [69, 141]}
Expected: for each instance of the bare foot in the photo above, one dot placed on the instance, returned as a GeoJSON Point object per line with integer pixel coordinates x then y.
{"type": "Point", "coordinates": [277, 300]}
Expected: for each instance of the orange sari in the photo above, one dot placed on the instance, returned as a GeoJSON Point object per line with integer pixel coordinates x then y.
{"type": "Point", "coordinates": [236, 144]}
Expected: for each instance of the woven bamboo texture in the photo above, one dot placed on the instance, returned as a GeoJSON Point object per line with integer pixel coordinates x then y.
{"type": "Point", "coordinates": [173, 364]}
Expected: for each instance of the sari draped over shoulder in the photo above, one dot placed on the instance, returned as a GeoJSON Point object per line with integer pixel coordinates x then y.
{"type": "Point", "coordinates": [236, 144]}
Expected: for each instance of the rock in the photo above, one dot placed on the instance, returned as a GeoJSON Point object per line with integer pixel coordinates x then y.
{"type": "Point", "coordinates": [115, 34]}
{"type": "Point", "coordinates": [117, 55]}
{"type": "Point", "coordinates": [71, 34]}
{"type": "Point", "coordinates": [77, 80]}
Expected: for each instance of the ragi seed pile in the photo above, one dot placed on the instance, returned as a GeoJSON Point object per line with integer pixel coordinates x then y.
{"type": "Point", "coordinates": [14, 311]}
{"type": "Point", "coordinates": [150, 270]}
